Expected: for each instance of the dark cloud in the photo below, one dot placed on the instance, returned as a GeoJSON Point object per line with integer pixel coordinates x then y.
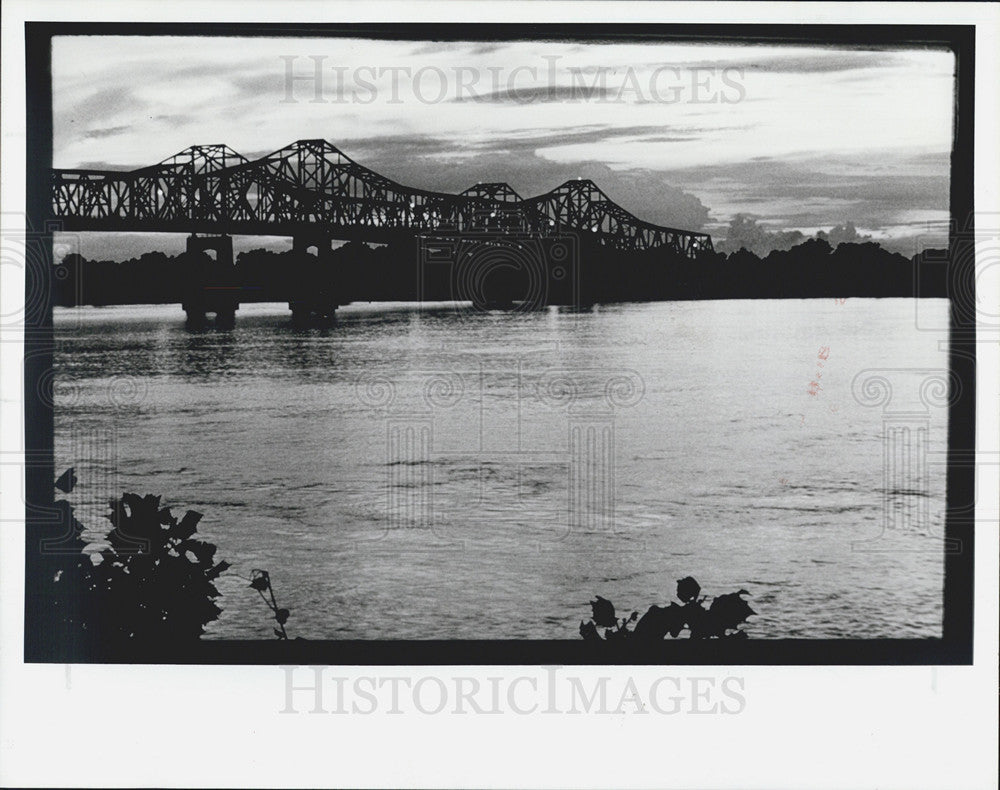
{"type": "Point", "coordinates": [471, 47]}
{"type": "Point", "coordinates": [872, 195]}
{"type": "Point", "coordinates": [273, 82]}
{"type": "Point", "coordinates": [173, 120]}
{"type": "Point", "coordinates": [594, 134]}
{"type": "Point", "coordinates": [819, 63]}
{"type": "Point", "coordinates": [823, 63]}
{"type": "Point", "coordinates": [827, 191]}
{"type": "Point", "coordinates": [888, 191]}
{"type": "Point", "coordinates": [669, 139]}
{"type": "Point", "coordinates": [744, 232]}
{"type": "Point", "coordinates": [487, 48]}
{"type": "Point", "coordinates": [100, 165]}
{"type": "Point", "coordinates": [103, 103]}
{"type": "Point", "coordinates": [96, 134]}
{"type": "Point", "coordinates": [396, 146]}
{"type": "Point", "coordinates": [517, 143]}
{"type": "Point", "coordinates": [645, 193]}
{"type": "Point", "coordinates": [543, 94]}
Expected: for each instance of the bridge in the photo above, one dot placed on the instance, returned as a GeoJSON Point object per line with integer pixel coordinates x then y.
{"type": "Point", "coordinates": [313, 192]}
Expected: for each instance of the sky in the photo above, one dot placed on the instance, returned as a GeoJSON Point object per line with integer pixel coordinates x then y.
{"type": "Point", "coordinates": [685, 135]}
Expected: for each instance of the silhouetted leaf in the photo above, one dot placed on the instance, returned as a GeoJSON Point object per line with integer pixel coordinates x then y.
{"type": "Point", "coordinates": [589, 632]}
{"type": "Point", "coordinates": [278, 633]}
{"type": "Point", "coordinates": [687, 589]}
{"type": "Point", "coordinates": [604, 612]}
{"type": "Point", "coordinates": [697, 620]}
{"type": "Point", "coordinates": [617, 634]}
{"type": "Point", "coordinates": [730, 610]}
{"type": "Point", "coordinates": [281, 616]}
{"type": "Point", "coordinates": [260, 583]}
{"type": "Point", "coordinates": [203, 551]}
{"type": "Point", "coordinates": [67, 481]}
{"type": "Point", "coordinates": [187, 525]}
{"type": "Point", "coordinates": [658, 622]}
{"type": "Point", "coordinates": [213, 573]}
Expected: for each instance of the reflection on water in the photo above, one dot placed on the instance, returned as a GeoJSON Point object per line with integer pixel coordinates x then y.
{"type": "Point", "coordinates": [438, 473]}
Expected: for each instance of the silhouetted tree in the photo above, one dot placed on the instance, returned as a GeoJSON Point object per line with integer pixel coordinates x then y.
{"type": "Point", "coordinates": [743, 257]}
{"type": "Point", "coordinates": [751, 262]}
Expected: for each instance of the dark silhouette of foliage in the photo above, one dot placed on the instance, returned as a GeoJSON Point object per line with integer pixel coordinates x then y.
{"type": "Point", "coordinates": [660, 621]}
{"type": "Point", "coordinates": [604, 612]}
{"type": "Point", "coordinates": [589, 632]}
{"type": "Point", "coordinates": [688, 589]}
{"type": "Point", "coordinates": [67, 481]}
{"type": "Point", "coordinates": [153, 585]}
{"type": "Point", "coordinates": [604, 617]}
{"type": "Point", "coordinates": [722, 619]}
{"type": "Point", "coordinates": [728, 611]}
{"type": "Point", "coordinates": [260, 580]}
{"type": "Point", "coordinates": [751, 262]}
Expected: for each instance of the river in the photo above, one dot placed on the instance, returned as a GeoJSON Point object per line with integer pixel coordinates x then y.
{"type": "Point", "coordinates": [436, 472]}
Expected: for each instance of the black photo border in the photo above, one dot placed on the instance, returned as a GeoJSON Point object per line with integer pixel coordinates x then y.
{"type": "Point", "coordinates": [44, 521]}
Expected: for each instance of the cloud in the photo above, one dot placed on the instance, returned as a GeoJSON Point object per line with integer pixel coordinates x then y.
{"type": "Point", "coordinates": [99, 165]}
{"type": "Point", "coordinates": [822, 63]}
{"type": "Point", "coordinates": [745, 233]}
{"type": "Point", "coordinates": [794, 61]}
{"type": "Point", "coordinates": [820, 190]}
{"type": "Point", "coordinates": [516, 143]}
{"type": "Point", "coordinates": [96, 134]}
{"type": "Point", "coordinates": [103, 103]}
{"type": "Point", "coordinates": [172, 119]}
{"type": "Point", "coordinates": [542, 94]}
{"type": "Point", "coordinates": [645, 193]}
{"type": "Point", "coordinates": [468, 48]}
{"type": "Point", "coordinates": [597, 133]}
{"type": "Point", "coordinates": [398, 146]}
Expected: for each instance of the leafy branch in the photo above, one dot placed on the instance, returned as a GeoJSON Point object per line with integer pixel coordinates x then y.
{"type": "Point", "coordinates": [260, 580]}
{"type": "Point", "coordinates": [153, 584]}
{"type": "Point", "coordinates": [722, 619]}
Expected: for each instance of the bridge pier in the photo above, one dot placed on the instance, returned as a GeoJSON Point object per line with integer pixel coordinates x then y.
{"type": "Point", "coordinates": [314, 293]}
{"type": "Point", "coordinates": [212, 289]}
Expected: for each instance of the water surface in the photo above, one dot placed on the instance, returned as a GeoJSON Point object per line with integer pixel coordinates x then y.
{"type": "Point", "coordinates": [434, 472]}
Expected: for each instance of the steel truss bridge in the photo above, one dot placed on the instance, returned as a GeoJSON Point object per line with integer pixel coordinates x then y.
{"type": "Point", "coordinates": [311, 190]}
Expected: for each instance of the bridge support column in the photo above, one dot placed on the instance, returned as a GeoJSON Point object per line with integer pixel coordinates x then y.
{"type": "Point", "coordinates": [212, 288]}
{"type": "Point", "coordinates": [314, 292]}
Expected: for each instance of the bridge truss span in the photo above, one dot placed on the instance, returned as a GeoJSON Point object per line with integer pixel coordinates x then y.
{"type": "Point", "coordinates": [311, 186]}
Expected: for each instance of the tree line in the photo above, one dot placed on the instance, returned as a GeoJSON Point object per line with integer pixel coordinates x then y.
{"type": "Point", "coordinates": [582, 273]}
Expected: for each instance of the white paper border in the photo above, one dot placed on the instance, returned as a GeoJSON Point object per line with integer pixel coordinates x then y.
{"type": "Point", "coordinates": [821, 727]}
